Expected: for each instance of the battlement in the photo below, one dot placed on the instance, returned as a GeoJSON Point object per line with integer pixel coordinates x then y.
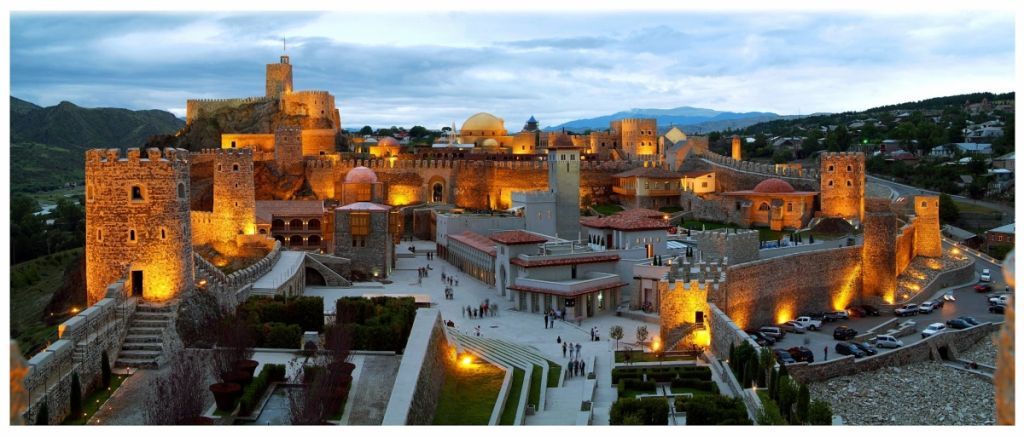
{"type": "Point", "coordinates": [134, 156]}
{"type": "Point", "coordinates": [644, 122]}
{"type": "Point", "coordinates": [234, 100]}
{"type": "Point", "coordinates": [315, 93]}
{"type": "Point", "coordinates": [319, 163]}
{"type": "Point", "coordinates": [240, 152]}
{"type": "Point", "coordinates": [843, 155]}
{"type": "Point", "coordinates": [755, 167]}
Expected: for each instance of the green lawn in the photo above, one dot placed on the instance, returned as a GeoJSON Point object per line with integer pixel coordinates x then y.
{"type": "Point", "coordinates": [32, 286]}
{"type": "Point", "coordinates": [554, 373]}
{"type": "Point", "coordinates": [93, 403]}
{"type": "Point", "coordinates": [974, 209]}
{"type": "Point", "coordinates": [469, 394]}
{"type": "Point", "coordinates": [607, 208]}
{"type": "Point", "coordinates": [535, 388]}
{"type": "Point", "coordinates": [508, 415]}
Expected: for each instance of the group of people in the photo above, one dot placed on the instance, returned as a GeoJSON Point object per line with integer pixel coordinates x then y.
{"type": "Point", "coordinates": [449, 279]}
{"type": "Point", "coordinates": [594, 336]}
{"type": "Point", "coordinates": [573, 350]}
{"type": "Point", "coordinates": [551, 315]}
{"type": "Point", "coordinates": [449, 293]}
{"type": "Point", "coordinates": [576, 368]}
{"type": "Point", "coordinates": [485, 309]}
{"type": "Point", "coordinates": [430, 256]}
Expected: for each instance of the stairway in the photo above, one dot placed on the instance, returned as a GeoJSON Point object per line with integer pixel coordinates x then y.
{"type": "Point", "coordinates": [143, 345]}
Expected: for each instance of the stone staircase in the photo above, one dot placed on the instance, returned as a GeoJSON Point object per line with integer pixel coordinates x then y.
{"type": "Point", "coordinates": [143, 345]}
{"type": "Point", "coordinates": [674, 338]}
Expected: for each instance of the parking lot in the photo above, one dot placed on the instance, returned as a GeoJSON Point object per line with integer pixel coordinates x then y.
{"type": "Point", "coordinates": [968, 303]}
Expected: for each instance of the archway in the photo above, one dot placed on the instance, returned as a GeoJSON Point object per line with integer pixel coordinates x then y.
{"type": "Point", "coordinates": [277, 225]}
{"type": "Point", "coordinates": [295, 224]}
{"type": "Point", "coordinates": [313, 225]}
{"type": "Point", "coordinates": [437, 193]}
{"type": "Point", "coordinates": [295, 241]}
{"type": "Point", "coordinates": [313, 277]}
{"type": "Point", "coordinates": [314, 240]}
{"type": "Point", "coordinates": [280, 238]}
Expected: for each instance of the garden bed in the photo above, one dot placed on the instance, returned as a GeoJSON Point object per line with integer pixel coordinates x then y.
{"type": "Point", "coordinates": [381, 323]}
{"type": "Point", "coordinates": [508, 414]}
{"type": "Point", "coordinates": [468, 395]}
{"type": "Point", "coordinates": [95, 401]}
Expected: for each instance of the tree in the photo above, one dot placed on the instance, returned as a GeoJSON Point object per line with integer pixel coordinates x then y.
{"type": "Point", "coordinates": [787, 397]}
{"type": "Point", "coordinates": [803, 404]}
{"type": "Point", "coordinates": [179, 395]}
{"type": "Point", "coordinates": [616, 333]}
{"type": "Point", "coordinates": [319, 399]}
{"type": "Point", "coordinates": [417, 131]}
{"type": "Point", "coordinates": [76, 396]}
{"type": "Point", "coordinates": [948, 211]}
{"type": "Point", "coordinates": [366, 130]}
{"type": "Point", "coordinates": [43, 416]}
{"type": "Point", "coordinates": [820, 413]}
{"type": "Point", "coordinates": [641, 336]}
{"type": "Point", "coordinates": [105, 369]}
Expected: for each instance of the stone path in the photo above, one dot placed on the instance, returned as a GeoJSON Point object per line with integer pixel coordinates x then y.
{"type": "Point", "coordinates": [371, 392]}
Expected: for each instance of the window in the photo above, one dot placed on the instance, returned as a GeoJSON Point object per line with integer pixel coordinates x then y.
{"type": "Point", "coordinates": [99, 235]}
{"type": "Point", "coordinates": [703, 184]}
{"type": "Point", "coordinates": [831, 183]}
{"type": "Point", "coordinates": [234, 167]}
{"type": "Point", "coordinates": [924, 204]}
{"type": "Point", "coordinates": [233, 145]}
{"type": "Point", "coordinates": [220, 167]}
{"type": "Point", "coordinates": [363, 192]}
{"type": "Point", "coordinates": [789, 207]}
{"type": "Point", "coordinates": [359, 222]}
{"type": "Point", "coordinates": [849, 183]}
{"type": "Point", "coordinates": [88, 192]}
{"type": "Point", "coordinates": [131, 235]}
{"type": "Point", "coordinates": [137, 193]}
{"type": "Point", "coordinates": [764, 207]}
{"type": "Point", "coordinates": [181, 191]}
{"type": "Point", "coordinates": [831, 168]}
{"type": "Point", "coordinates": [849, 168]}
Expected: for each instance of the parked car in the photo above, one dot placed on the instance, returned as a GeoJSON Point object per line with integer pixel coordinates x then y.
{"type": "Point", "coordinates": [999, 300]}
{"type": "Point", "coordinates": [933, 329]}
{"type": "Point", "coordinates": [957, 324]}
{"type": "Point", "coordinates": [864, 346]}
{"type": "Point", "coordinates": [855, 312]}
{"type": "Point", "coordinates": [774, 332]}
{"type": "Point", "coordinates": [783, 357]}
{"type": "Point", "coordinates": [793, 326]}
{"type": "Point", "coordinates": [906, 310]}
{"type": "Point", "coordinates": [983, 288]}
{"type": "Point", "coordinates": [810, 323]}
{"type": "Point", "coordinates": [801, 354]}
{"type": "Point", "coordinates": [869, 310]}
{"type": "Point", "coordinates": [970, 320]}
{"type": "Point", "coordinates": [949, 297]}
{"type": "Point", "coordinates": [997, 309]}
{"type": "Point", "coordinates": [844, 333]}
{"type": "Point", "coordinates": [840, 315]}
{"type": "Point", "coordinates": [986, 276]}
{"type": "Point", "coordinates": [888, 342]}
{"type": "Point", "coordinates": [848, 349]}
{"type": "Point", "coordinates": [760, 339]}
{"type": "Point", "coordinates": [926, 307]}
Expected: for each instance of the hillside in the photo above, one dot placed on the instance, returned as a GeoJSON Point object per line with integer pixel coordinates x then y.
{"type": "Point", "coordinates": [686, 117]}
{"type": "Point", "coordinates": [48, 144]}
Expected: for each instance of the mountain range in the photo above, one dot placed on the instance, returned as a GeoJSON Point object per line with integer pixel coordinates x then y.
{"type": "Point", "coordinates": [48, 144]}
{"type": "Point", "coordinates": [688, 118]}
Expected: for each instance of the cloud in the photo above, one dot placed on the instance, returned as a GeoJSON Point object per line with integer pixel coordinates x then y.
{"type": "Point", "coordinates": [435, 68]}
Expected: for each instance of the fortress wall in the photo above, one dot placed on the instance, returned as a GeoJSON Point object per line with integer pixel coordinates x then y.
{"type": "Point", "coordinates": [195, 108]}
{"type": "Point", "coordinates": [680, 300]}
{"type": "Point", "coordinates": [779, 289]}
{"type": "Point", "coordinates": [732, 175]}
{"type": "Point", "coordinates": [906, 248]}
{"type": "Point", "coordinates": [739, 246]}
{"type": "Point", "coordinates": [318, 141]}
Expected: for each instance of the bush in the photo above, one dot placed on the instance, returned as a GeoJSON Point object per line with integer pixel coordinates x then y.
{"type": "Point", "coordinates": [276, 372]}
{"type": "Point", "coordinates": [254, 391]}
{"type": "Point", "coordinates": [381, 323]}
{"type": "Point", "coordinates": [632, 384]}
{"type": "Point", "coordinates": [693, 383]}
{"type": "Point", "coordinates": [713, 409]}
{"type": "Point", "coordinates": [820, 413]}
{"type": "Point", "coordinates": [280, 335]}
{"type": "Point", "coordinates": [305, 311]}
{"type": "Point", "coordinates": [649, 411]}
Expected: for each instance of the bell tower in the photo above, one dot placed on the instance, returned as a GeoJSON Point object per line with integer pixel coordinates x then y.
{"type": "Point", "coordinates": [279, 78]}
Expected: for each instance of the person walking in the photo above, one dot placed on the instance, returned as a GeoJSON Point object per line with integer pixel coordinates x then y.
{"type": "Point", "coordinates": [546, 322]}
{"type": "Point", "coordinates": [826, 352]}
{"type": "Point", "coordinates": [578, 347]}
{"type": "Point", "coordinates": [463, 312]}
{"type": "Point", "coordinates": [559, 339]}
{"type": "Point", "coordinates": [583, 367]}
{"type": "Point", "coordinates": [563, 350]}
{"type": "Point", "coordinates": [591, 334]}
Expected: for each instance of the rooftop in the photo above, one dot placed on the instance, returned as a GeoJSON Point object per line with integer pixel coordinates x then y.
{"type": "Point", "coordinates": [364, 206]}
{"type": "Point", "coordinates": [626, 222]}
{"type": "Point", "coordinates": [650, 172]}
{"type": "Point", "coordinates": [518, 237]}
{"type": "Point", "coordinates": [563, 260]}
{"type": "Point", "coordinates": [476, 241]}
{"type": "Point", "coordinates": [1004, 229]}
{"type": "Point", "coordinates": [267, 209]}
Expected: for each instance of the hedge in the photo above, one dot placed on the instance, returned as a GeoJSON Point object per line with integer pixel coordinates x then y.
{"type": "Point", "coordinates": [694, 383]}
{"type": "Point", "coordinates": [663, 374]}
{"type": "Point", "coordinates": [254, 391]}
{"type": "Point", "coordinates": [379, 324]}
{"type": "Point", "coordinates": [279, 335]}
{"type": "Point", "coordinates": [713, 409]}
{"type": "Point", "coordinates": [633, 384]}
{"type": "Point", "coordinates": [646, 411]}
{"type": "Point", "coordinates": [305, 311]}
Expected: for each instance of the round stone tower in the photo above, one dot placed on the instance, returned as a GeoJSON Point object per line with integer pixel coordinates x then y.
{"type": "Point", "coordinates": [879, 252]}
{"type": "Point", "coordinates": [279, 78]}
{"type": "Point", "coordinates": [137, 224]}
{"type": "Point", "coordinates": [639, 136]}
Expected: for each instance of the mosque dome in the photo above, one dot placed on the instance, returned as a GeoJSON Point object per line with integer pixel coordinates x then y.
{"type": "Point", "coordinates": [361, 175]}
{"type": "Point", "coordinates": [388, 141]}
{"type": "Point", "coordinates": [483, 121]}
{"type": "Point", "coordinates": [773, 185]}
{"type": "Point", "coordinates": [490, 142]}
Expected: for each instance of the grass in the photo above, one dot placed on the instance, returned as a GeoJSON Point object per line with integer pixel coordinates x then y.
{"type": "Point", "coordinates": [508, 414]}
{"type": "Point", "coordinates": [607, 208]}
{"type": "Point", "coordinates": [535, 377]}
{"type": "Point", "coordinates": [634, 393]}
{"type": "Point", "coordinates": [29, 296]}
{"type": "Point", "coordinates": [971, 208]}
{"type": "Point", "coordinates": [92, 404]}
{"type": "Point", "coordinates": [554, 373]}
{"type": "Point", "coordinates": [468, 395]}
{"type": "Point", "coordinates": [635, 357]}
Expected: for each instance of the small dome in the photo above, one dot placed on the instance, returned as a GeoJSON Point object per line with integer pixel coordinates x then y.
{"type": "Point", "coordinates": [483, 121]}
{"type": "Point", "coordinates": [773, 185]}
{"type": "Point", "coordinates": [388, 141]}
{"type": "Point", "coordinates": [361, 175]}
{"type": "Point", "coordinates": [490, 142]}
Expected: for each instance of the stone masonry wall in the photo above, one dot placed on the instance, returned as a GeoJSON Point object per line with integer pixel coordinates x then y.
{"type": "Point", "coordinates": [739, 246]}
{"type": "Point", "coordinates": [427, 361]}
{"type": "Point", "coordinates": [725, 333]}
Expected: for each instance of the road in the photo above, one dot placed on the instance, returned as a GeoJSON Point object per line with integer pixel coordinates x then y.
{"type": "Point", "coordinates": [907, 190]}
{"type": "Point", "coordinates": [968, 303]}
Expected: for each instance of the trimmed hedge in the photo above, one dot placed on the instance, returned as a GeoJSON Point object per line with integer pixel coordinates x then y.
{"type": "Point", "coordinates": [632, 384]}
{"type": "Point", "coordinates": [254, 391]}
{"type": "Point", "coordinates": [305, 311]}
{"type": "Point", "coordinates": [662, 374]}
{"type": "Point", "coordinates": [378, 324]}
{"type": "Point", "coordinates": [647, 411]}
{"type": "Point", "coordinates": [279, 335]}
{"type": "Point", "coordinates": [695, 384]}
{"type": "Point", "coordinates": [713, 409]}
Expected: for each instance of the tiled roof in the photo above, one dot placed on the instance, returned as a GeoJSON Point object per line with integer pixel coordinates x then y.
{"type": "Point", "coordinates": [697, 173]}
{"type": "Point", "coordinates": [625, 222]}
{"type": "Point", "coordinates": [288, 208]}
{"type": "Point", "coordinates": [580, 259]}
{"type": "Point", "coordinates": [563, 293]}
{"type": "Point", "coordinates": [476, 241]}
{"type": "Point", "coordinates": [650, 172]}
{"type": "Point", "coordinates": [642, 212]}
{"type": "Point", "coordinates": [364, 206]}
{"type": "Point", "coordinates": [518, 237]}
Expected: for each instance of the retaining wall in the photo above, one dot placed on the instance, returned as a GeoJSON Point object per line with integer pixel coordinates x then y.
{"type": "Point", "coordinates": [427, 361]}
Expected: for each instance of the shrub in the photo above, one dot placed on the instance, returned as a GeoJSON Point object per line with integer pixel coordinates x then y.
{"type": "Point", "coordinates": [633, 384]}
{"type": "Point", "coordinates": [276, 372]}
{"type": "Point", "coordinates": [381, 323]}
{"type": "Point", "coordinates": [693, 383]}
{"type": "Point", "coordinates": [713, 410]}
{"type": "Point", "coordinates": [648, 411]}
{"type": "Point", "coordinates": [280, 335]}
{"type": "Point", "coordinates": [254, 391]}
{"type": "Point", "coordinates": [105, 369]}
{"type": "Point", "coordinates": [820, 413]}
{"type": "Point", "coordinates": [76, 395]}
{"type": "Point", "coordinates": [305, 311]}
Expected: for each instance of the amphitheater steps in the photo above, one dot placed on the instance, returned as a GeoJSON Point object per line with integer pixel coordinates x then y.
{"type": "Point", "coordinates": [143, 346]}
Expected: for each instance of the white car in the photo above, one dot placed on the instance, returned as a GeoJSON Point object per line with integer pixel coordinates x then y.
{"type": "Point", "coordinates": [926, 307]}
{"type": "Point", "coordinates": [933, 329]}
{"type": "Point", "coordinates": [999, 300]}
{"type": "Point", "coordinates": [888, 342]}
{"type": "Point", "coordinates": [986, 276]}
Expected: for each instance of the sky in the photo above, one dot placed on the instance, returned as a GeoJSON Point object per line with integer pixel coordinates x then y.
{"type": "Point", "coordinates": [436, 68]}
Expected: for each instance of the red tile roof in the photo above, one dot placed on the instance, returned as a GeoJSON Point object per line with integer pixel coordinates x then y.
{"type": "Point", "coordinates": [518, 237]}
{"type": "Point", "coordinates": [266, 210]}
{"type": "Point", "coordinates": [697, 173]}
{"type": "Point", "coordinates": [579, 259]}
{"type": "Point", "coordinates": [625, 222]}
{"type": "Point", "coordinates": [642, 212]}
{"type": "Point", "coordinates": [476, 241]}
{"type": "Point", "coordinates": [562, 293]}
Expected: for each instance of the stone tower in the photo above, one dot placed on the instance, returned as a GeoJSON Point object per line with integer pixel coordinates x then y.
{"type": "Point", "coordinates": [234, 193]}
{"type": "Point", "coordinates": [928, 235]}
{"type": "Point", "coordinates": [137, 224]}
{"type": "Point", "coordinates": [564, 181]}
{"type": "Point", "coordinates": [879, 252]}
{"type": "Point", "coordinates": [639, 136]}
{"type": "Point", "coordinates": [287, 145]}
{"type": "Point", "coordinates": [842, 185]}
{"type": "Point", "coordinates": [279, 78]}
{"type": "Point", "coordinates": [737, 148]}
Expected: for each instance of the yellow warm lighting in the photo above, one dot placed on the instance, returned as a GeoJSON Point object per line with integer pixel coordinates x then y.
{"type": "Point", "coordinates": [842, 298]}
{"type": "Point", "coordinates": [74, 310]}
{"type": "Point", "coordinates": [656, 344]}
{"type": "Point", "coordinates": [467, 360]}
{"type": "Point", "coordinates": [702, 338]}
{"type": "Point", "coordinates": [784, 313]}
{"type": "Point", "coordinates": [956, 251]}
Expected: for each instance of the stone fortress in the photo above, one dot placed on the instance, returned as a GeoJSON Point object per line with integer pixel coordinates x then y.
{"type": "Point", "coordinates": [148, 212]}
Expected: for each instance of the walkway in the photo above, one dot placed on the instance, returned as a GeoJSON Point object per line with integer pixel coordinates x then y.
{"type": "Point", "coordinates": [287, 265]}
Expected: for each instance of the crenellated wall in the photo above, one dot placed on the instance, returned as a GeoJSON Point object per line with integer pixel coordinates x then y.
{"type": "Point", "coordinates": [195, 108]}
{"type": "Point", "coordinates": [736, 245]}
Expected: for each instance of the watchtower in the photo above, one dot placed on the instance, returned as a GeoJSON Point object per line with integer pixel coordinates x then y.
{"type": "Point", "coordinates": [564, 181]}
{"type": "Point", "coordinates": [234, 193]}
{"type": "Point", "coordinates": [879, 252]}
{"type": "Point", "coordinates": [639, 136]}
{"type": "Point", "coordinates": [842, 185]}
{"type": "Point", "coordinates": [928, 235]}
{"type": "Point", "coordinates": [287, 145]}
{"type": "Point", "coordinates": [279, 78]}
{"type": "Point", "coordinates": [737, 148]}
{"type": "Point", "coordinates": [137, 223]}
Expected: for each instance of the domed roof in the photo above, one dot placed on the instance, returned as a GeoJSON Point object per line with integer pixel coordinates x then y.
{"type": "Point", "coordinates": [490, 142]}
{"type": "Point", "coordinates": [361, 175]}
{"type": "Point", "coordinates": [561, 140]}
{"type": "Point", "coordinates": [388, 141]}
{"type": "Point", "coordinates": [773, 185]}
{"type": "Point", "coordinates": [483, 121]}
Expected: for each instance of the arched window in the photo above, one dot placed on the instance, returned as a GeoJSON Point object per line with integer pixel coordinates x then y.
{"type": "Point", "coordinates": [764, 207]}
{"type": "Point", "coordinates": [234, 167]}
{"type": "Point", "coordinates": [831, 168]}
{"type": "Point", "coordinates": [295, 224]}
{"type": "Point", "coordinates": [438, 192]}
{"type": "Point", "coordinates": [849, 168]}
{"type": "Point", "coordinates": [831, 183]}
{"type": "Point", "coordinates": [263, 232]}
{"type": "Point", "coordinates": [849, 183]}
{"type": "Point", "coordinates": [131, 235]}
{"type": "Point", "coordinates": [137, 195]}
{"type": "Point", "coordinates": [163, 233]}
{"type": "Point", "coordinates": [313, 225]}
{"type": "Point", "coordinates": [296, 240]}
{"type": "Point", "coordinates": [277, 225]}
{"type": "Point", "coordinates": [314, 240]}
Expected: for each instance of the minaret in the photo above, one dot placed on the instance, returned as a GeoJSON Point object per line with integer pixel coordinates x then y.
{"type": "Point", "coordinates": [564, 181]}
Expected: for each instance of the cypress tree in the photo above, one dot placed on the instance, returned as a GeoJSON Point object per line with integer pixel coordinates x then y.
{"type": "Point", "coordinates": [76, 396]}
{"type": "Point", "coordinates": [43, 417]}
{"type": "Point", "coordinates": [105, 368]}
{"type": "Point", "coordinates": [803, 404]}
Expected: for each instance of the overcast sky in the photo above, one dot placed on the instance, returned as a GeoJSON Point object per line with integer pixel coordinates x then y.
{"type": "Point", "coordinates": [434, 68]}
